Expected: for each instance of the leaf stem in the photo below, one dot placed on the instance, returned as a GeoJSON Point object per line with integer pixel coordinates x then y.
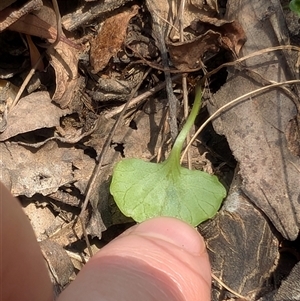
{"type": "Point", "coordinates": [178, 145]}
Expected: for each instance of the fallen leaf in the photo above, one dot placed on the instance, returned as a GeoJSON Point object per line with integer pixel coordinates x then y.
{"type": "Point", "coordinates": [32, 24]}
{"type": "Point", "coordinates": [32, 113]}
{"type": "Point", "coordinates": [214, 35]}
{"type": "Point", "coordinates": [232, 34]}
{"type": "Point", "coordinates": [190, 54]}
{"type": "Point", "coordinates": [255, 129]}
{"type": "Point", "coordinates": [34, 54]}
{"type": "Point", "coordinates": [289, 289]}
{"type": "Point", "coordinates": [10, 15]}
{"type": "Point", "coordinates": [211, 5]}
{"type": "Point", "coordinates": [87, 12]}
{"type": "Point", "coordinates": [110, 38]}
{"type": "Point", "coordinates": [64, 60]}
{"type": "Point", "coordinates": [142, 141]}
{"type": "Point", "coordinates": [40, 171]}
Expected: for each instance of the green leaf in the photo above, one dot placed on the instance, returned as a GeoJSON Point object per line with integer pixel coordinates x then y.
{"type": "Point", "coordinates": [294, 5]}
{"type": "Point", "coordinates": [143, 190]}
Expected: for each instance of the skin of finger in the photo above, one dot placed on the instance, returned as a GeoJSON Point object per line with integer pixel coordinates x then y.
{"type": "Point", "coordinates": [23, 273]}
{"type": "Point", "coordinates": [137, 266]}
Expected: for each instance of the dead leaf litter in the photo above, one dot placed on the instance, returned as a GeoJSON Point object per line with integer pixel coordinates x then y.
{"type": "Point", "coordinates": [56, 142]}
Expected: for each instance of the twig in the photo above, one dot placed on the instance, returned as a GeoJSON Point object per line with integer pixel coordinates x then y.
{"type": "Point", "coordinates": [188, 70]}
{"type": "Point", "coordinates": [159, 30]}
{"type": "Point", "coordinates": [101, 158]}
{"type": "Point", "coordinates": [233, 102]}
{"type": "Point", "coordinates": [184, 81]}
{"type": "Point", "coordinates": [139, 99]}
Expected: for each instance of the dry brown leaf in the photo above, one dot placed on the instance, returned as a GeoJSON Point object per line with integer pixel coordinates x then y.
{"type": "Point", "coordinates": [34, 55]}
{"type": "Point", "coordinates": [233, 35]}
{"type": "Point", "coordinates": [10, 15]}
{"type": "Point", "coordinates": [206, 5]}
{"type": "Point", "coordinates": [142, 142]}
{"type": "Point", "coordinates": [231, 235]}
{"type": "Point", "coordinates": [255, 129]}
{"type": "Point", "coordinates": [214, 35]}
{"type": "Point", "coordinates": [40, 171]}
{"type": "Point", "coordinates": [64, 60]}
{"type": "Point", "coordinates": [34, 111]}
{"type": "Point", "coordinates": [32, 25]}
{"type": "Point", "coordinates": [189, 55]}
{"type": "Point", "coordinates": [110, 38]}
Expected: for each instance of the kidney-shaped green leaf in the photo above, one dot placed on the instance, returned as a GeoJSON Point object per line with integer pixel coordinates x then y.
{"type": "Point", "coordinates": [143, 190]}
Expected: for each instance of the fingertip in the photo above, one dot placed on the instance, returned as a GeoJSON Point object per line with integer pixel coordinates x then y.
{"type": "Point", "coordinates": [174, 231]}
{"type": "Point", "coordinates": [160, 259]}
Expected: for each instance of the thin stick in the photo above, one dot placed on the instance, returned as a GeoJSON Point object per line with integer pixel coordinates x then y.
{"type": "Point", "coordinates": [233, 102]}
{"type": "Point", "coordinates": [187, 70]}
{"type": "Point", "coordinates": [251, 55]}
{"type": "Point", "coordinates": [159, 33]}
{"type": "Point", "coordinates": [184, 81]}
{"type": "Point", "coordinates": [227, 287]}
{"type": "Point", "coordinates": [101, 158]}
{"type": "Point", "coordinates": [139, 99]}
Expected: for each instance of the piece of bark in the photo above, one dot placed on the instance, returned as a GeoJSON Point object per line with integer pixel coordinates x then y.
{"type": "Point", "coordinates": [290, 287]}
{"type": "Point", "coordinates": [255, 128]}
{"type": "Point", "coordinates": [90, 11]}
{"type": "Point", "coordinates": [241, 246]}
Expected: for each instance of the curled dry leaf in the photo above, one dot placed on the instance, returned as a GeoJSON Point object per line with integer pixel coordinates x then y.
{"type": "Point", "coordinates": [64, 60]}
{"type": "Point", "coordinates": [215, 34]}
{"type": "Point", "coordinates": [10, 15]}
{"type": "Point", "coordinates": [189, 55]}
{"type": "Point", "coordinates": [233, 35]}
{"type": "Point", "coordinates": [41, 23]}
{"type": "Point", "coordinates": [110, 38]}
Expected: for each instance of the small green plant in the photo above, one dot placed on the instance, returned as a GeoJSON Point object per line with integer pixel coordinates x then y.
{"type": "Point", "coordinates": [144, 189]}
{"type": "Point", "coordinates": [295, 6]}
